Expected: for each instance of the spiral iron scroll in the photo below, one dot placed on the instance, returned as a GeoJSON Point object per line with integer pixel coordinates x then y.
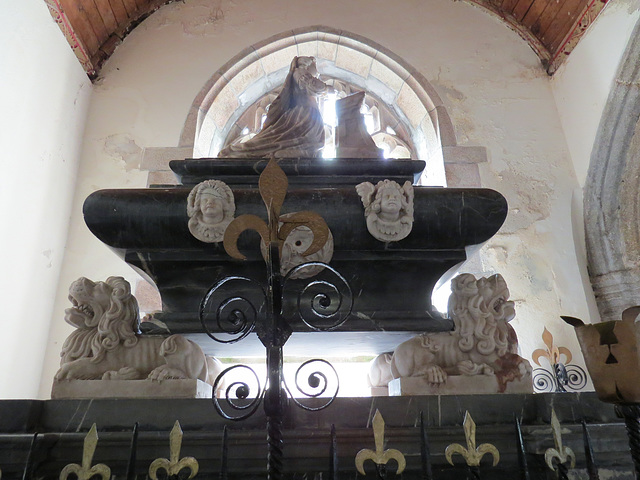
{"type": "Point", "coordinates": [325, 302]}
{"type": "Point", "coordinates": [546, 381]}
{"type": "Point", "coordinates": [318, 383]}
{"type": "Point", "coordinates": [233, 304]}
{"type": "Point", "coordinates": [238, 395]}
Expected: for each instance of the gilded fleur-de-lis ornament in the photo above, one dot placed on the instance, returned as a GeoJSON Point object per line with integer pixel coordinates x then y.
{"type": "Point", "coordinates": [552, 352]}
{"type": "Point", "coordinates": [273, 185]}
{"type": "Point", "coordinates": [560, 453]}
{"type": "Point", "coordinates": [471, 454]}
{"type": "Point", "coordinates": [86, 471]}
{"type": "Point", "coordinates": [380, 456]}
{"type": "Point", "coordinates": [174, 464]}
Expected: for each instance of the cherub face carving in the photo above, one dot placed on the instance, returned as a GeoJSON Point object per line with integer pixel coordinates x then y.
{"type": "Point", "coordinates": [388, 209]}
{"type": "Point", "coordinates": [210, 208]}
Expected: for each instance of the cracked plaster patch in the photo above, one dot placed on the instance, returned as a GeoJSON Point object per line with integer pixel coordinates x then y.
{"type": "Point", "coordinates": [529, 199]}
{"type": "Point", "coordinates": [124, 147]}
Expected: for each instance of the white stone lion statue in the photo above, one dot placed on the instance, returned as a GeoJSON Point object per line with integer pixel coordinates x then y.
{"type": "Point", "coordinates": [482, 342]}
{"type": "Point", "coordinates": [380, 370]}
{"type": "Point", "coordinates": [106, 344]}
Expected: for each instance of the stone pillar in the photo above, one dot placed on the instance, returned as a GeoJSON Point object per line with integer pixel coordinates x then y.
{"type": "Point", "coordinates": [611, 205]}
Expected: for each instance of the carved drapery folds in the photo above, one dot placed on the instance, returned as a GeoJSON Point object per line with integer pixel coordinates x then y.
{"type": "Point", "coordinates": [294, 126]}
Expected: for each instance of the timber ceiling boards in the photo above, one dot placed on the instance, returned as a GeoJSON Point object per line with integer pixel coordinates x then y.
{"type": "Point", "coordinates": [551, 27]}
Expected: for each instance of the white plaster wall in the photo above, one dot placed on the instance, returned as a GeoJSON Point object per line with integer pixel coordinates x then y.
{"type": "Point", "coordinates": [581, 85]}
{"type": "Point", "coordinates": [44, 94]}
{"type": "Point", "coordinates": [491, 82]}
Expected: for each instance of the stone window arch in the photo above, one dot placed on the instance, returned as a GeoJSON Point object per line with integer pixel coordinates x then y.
{"type": "Point", "coordinates": [247, 82]}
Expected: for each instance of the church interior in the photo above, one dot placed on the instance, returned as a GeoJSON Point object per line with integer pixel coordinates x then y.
{"type": "Point", "coordinates": [537, 100]}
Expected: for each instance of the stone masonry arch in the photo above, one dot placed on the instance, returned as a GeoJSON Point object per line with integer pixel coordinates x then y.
{"type": "Point", "coordinates": [611, 200]}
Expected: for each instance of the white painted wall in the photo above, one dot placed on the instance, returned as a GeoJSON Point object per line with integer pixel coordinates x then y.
{"type": "Point", "coordinates": [44, 94]}
{"type": "Point", "coordinates": [496, 92]}
{"type": "Point", "coordinates": [581, 85]}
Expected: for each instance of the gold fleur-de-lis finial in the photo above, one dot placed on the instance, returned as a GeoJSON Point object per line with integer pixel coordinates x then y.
{"type": "Point", "coordinates": [471, 454]}
{"type": "Point", "coordinates": [174, 464]}
{"type": "Point", "coordinates": [552, 353]}
{"type": "Point", "coordinates": [86, 471]}
{"type": "Point", "coordinates": [273, 185]}
{"type": "Point", "coordinates": [560, 453]}
{"type": "Point", "coordinates": [380, 456]}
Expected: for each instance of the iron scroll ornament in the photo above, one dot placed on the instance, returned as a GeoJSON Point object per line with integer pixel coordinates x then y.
{"type": "Point", "coordinates": [324, 303]}
{"type": "Point", "coordinates": [239, 306]}
{"type": "Point", "coordinates": [240, 403]}
{"type": "Point", "coordinates": [233, 313]}
{"type": "Point", "coordinates": [572, 377]}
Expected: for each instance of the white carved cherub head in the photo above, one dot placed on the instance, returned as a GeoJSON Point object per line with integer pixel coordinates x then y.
{"type": "Point", "coordinates": [210, 208]}
{"type": "Point", "coordinates": [388, 209]}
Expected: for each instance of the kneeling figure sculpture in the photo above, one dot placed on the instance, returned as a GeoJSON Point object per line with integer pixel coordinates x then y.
{"type": "Point", "coordinates": [107, 344]}
{"type": "Point", "coordinates": [482, 342]}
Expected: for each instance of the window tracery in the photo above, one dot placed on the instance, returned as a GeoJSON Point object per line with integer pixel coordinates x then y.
{"type": "Point", "coordinates": [384, 127]}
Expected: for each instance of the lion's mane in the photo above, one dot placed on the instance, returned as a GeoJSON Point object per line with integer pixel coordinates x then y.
{"type": "Point", "coordinates": [115, 319]}
{"type": "Point", "coordinates": [482, 341]}
{"type": "Point", "coordinates": [480, 312]}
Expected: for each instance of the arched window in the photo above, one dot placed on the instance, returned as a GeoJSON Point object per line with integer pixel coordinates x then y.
{"type": "Point", "coordinates": [404, 114]}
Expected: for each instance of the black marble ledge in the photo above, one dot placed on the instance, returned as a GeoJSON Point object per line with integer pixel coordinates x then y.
{"type": "Point", "coordinates": [302, 172]}
{"type": "Point", "coordinates": [534, 410]}
{"type": "Point", "coordinates": [445, 219]}
{"type": "Point", "coordinates": [391, 282]}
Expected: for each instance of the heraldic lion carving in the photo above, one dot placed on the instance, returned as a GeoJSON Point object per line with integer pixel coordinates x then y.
{"type": "Point", "coordinates": [106, 344]}
{"type": "Point", "coordinates": [482, 342]}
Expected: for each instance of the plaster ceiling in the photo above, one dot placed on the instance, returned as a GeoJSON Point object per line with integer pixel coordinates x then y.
{"type": "Point", "coordinates": [551, 27]}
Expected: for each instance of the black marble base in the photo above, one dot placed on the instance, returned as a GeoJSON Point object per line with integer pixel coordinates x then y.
{"type": "Point", "coordinates": [391, 283]}
{"type": "Point", "coordinates": [302, 172]}
{"type": "Point", "coordinates": [62, 425]}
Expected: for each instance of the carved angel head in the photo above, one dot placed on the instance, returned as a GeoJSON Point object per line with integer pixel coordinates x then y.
{"type": "Point", "coordinates": [210, 208]}
{"type": "Point", "coordinates": [388, 209]}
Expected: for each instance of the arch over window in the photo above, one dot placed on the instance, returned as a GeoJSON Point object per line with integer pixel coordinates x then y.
{"type": "Point", "coordinates": [249, 78]}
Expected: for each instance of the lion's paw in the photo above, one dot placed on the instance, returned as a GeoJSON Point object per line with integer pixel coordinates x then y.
{"type": "Point", "coordinates": [524, 369]}
{"type": "Point", "coordinates": [487, 369]}
{"type": "Point", "coordinates": [436, 375]}
{"type": "Point", "coordinates": [125, 373]}
{"type": "Point", "coordinates": [164, 372]}
{"type": "Point", "coordinates": [63, 373]}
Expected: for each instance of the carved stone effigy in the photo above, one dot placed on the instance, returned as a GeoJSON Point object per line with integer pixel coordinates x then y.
{"type": "Point", "coordinates": [210, 207]}
{"type": "Point", "coordinates": [388, 209]}
{"type": "Point", "coordinates": [352, 138]}
{"type": "Point", "coordinates": [379, 374]}
{"type": "Point", "coordinates": [479, 356]}
{"type": "Point", "coordinates": [105, 353]}
{"type": "Point", "coordinates": [294, 125]}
